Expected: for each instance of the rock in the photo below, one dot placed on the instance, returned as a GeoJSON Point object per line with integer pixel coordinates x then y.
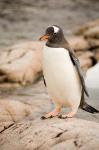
{"type": "Point", "coordinates": [79, 53]}
{"type": "Point", "coordinates": [97, 54]}
{"type": "Point", "coordinates": [92, 32]}
{"type": "Point", "coordinates": [86, 54]}
{"type": "Point", "coordinates": [92, 77]}
{"type": "Point", "coordinates": [33, 133]}
{"type": "Point", "coordinates": [94, 43]}
{"type": "Point", "coordinates": [78, 43]}
{"type": "Point", "coordinates": [11, 110]}
{"type": "Point", "coordinates": [22, 63]}
{"type": "Point", "coordinates": [88, 26]}
{"type": "Point", "coordinates": [51, 134]}
{"type": "Point", "coordinates": [9, 86]}
{"type": "Point", "coordinates": [86, 60]}
{"type": "Point", "coordinates": [85, 63]}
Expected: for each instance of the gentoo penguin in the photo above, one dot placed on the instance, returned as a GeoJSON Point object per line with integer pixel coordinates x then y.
{"type": "Point", "coordinates": [62, 75]}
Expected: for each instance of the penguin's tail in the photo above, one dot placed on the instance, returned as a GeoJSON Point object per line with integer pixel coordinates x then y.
{"type": "Point", "coordinates": [89, 108]}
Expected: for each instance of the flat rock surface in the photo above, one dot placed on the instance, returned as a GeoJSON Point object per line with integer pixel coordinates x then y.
{"type": "Point", "coordinates": [51, 134]}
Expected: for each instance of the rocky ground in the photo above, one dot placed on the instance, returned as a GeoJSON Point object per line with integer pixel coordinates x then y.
{"type": "Point", "coordinates": [22, 107]}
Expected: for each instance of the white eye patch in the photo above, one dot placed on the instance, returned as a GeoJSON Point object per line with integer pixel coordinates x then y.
{"type": "Point", "coordinates": [56, 29]}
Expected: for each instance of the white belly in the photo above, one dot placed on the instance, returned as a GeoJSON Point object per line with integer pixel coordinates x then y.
{"type": "Point", "coordinates": [61, 77]}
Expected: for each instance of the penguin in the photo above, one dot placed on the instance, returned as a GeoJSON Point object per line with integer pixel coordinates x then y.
{"type": "Point", "coordinates": [62, 75]}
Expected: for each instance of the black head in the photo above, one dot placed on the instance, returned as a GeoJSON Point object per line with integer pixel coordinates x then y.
{"type": "Point", "coordinates": [54, 36]}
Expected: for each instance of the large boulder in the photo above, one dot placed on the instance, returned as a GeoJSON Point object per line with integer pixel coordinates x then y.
{"type": "Point", "coordinates": [92, 32]}
{"type": "Point", "coordinates": [22, 128]}
{"type": "Point", "coordinates": [51, 134]}
{"type": "Point", "coordinates": [89, 29]}
{"type": "Point", "coordinates": [21, 63]}
{"type": "Point", "coordinates": [78, 43]}
{"type": "Point", "coordinates": [87, 39]}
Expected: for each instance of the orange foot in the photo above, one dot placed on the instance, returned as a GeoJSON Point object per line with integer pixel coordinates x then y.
{"type": "Point", "coordinates": [69, 115]}
{"type": "Point", "coordinates": [51, 114]}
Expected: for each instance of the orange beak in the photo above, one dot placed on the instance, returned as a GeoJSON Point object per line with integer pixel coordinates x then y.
{"type": "Point", "coordinates": [44, 37]}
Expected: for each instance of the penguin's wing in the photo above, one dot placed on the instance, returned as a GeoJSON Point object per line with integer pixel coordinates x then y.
{"type": "Point", "coordinates": [76, 63]}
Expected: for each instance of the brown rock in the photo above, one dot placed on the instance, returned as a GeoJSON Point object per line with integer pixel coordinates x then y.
{"type": "Point", "coordinates": [92, 32]}
{"type": "Point", "coordinates": [85, 63]}
{"type": "Point", "coordinates": [94, 43]}
{"type": "Point", "coordinates": [85, 60]}
{"type": "Point", "coordinates": [84, 28]}
{"type": "Point", "coordinates": [22, 62]}
{"type": "Point", "coordinates": [78, 43]}
{"type": "Point", "coordinates": [13, 111]}
{"type": "Point", "coordinates": [7, 86]}
{"type": "Point", "coordinates": [97, 54]}
{"type": "Point", "coordinates": [87, 54]}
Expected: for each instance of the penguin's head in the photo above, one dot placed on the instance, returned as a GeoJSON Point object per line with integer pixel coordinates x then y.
{"type": "Point", "coordinates": [53, 34]}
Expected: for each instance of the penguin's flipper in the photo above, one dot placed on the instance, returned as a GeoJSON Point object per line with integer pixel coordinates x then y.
{"type": "Point", "coordinates": [85, 106]}
{"type": "Point", "coordinates": [77, 65]}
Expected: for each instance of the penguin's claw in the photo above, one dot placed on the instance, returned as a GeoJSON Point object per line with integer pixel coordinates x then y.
{"type": "Point", "coordinates": [51, 116]}
{"type": "Point", "coordinates": [44, 117]}
{"type": "Point", "coordinates": [47, 117]}
{"type": "Point", "coordinates": [62, 117]}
